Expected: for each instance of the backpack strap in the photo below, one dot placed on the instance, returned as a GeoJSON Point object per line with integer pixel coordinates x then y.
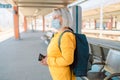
{"type": "Point", "coordinates": [59, 40]}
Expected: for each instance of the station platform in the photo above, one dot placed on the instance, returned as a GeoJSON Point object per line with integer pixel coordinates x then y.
{"type": "Point", "coordinates": [19, 58]}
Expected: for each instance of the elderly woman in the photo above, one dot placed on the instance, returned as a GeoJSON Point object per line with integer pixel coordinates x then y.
{"type": "Point", "coordinates": [58, 60]}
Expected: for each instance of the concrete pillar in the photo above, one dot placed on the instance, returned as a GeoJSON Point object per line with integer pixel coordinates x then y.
{"type": "Point", "coordinates": [89, 24]}
{"type": "Point", "coordinates": [35, 23]}
{"type": "Point", "coordinates": [116, 24]}
{"type": "Point", "coordinates": [32, 25]}
{"type": "Point", "coordinates": [43, 18]}
{"type": "Point", "coordinates": [114, 21]}
{"type": "Point", "coordinates": [111, 19]}
{"type": "Point", "coordinates": [95, 23]}
{"type": "Point", "coordinates": [25, 24]}
{"type": "Point", "coordinates": [101, 17]}
{"type": "Point", "coordinates": [110, 23]}
{"type": "Point", "coordinates": [83, 24]}
{"type": "Point", "coordinates": [16, 23]}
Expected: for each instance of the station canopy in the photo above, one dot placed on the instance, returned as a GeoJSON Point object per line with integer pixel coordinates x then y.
{"type": "Point", "coordinates": [44, 7]}
{"type": "Point", "coordinates": [38, 7]}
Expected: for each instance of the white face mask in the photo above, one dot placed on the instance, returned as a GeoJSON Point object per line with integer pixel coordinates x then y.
{"type": "Point", "coordinates": [56, 24]}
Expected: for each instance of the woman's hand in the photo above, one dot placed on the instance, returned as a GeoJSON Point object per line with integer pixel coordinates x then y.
{"type": "Point", "coordinates": [44, 61]}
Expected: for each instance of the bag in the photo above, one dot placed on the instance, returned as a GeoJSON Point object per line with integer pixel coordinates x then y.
{"type": "Point", "coordinates": [81, 54]}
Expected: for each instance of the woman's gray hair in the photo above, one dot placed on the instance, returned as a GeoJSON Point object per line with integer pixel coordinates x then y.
{"type": "Point", "coordinates": [66, 16]}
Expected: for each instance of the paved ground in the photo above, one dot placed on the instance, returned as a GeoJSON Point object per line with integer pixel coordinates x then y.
{"type": "Point", "coordinates": [19, 58]}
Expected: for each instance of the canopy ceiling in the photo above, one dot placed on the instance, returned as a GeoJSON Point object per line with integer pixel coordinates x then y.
{"type": "Point", "coordinates": [90, 7]}
{"type": "Point", "coordinates": [39, 7]}
{"type": "Point", "coordinates": [110, 10]}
